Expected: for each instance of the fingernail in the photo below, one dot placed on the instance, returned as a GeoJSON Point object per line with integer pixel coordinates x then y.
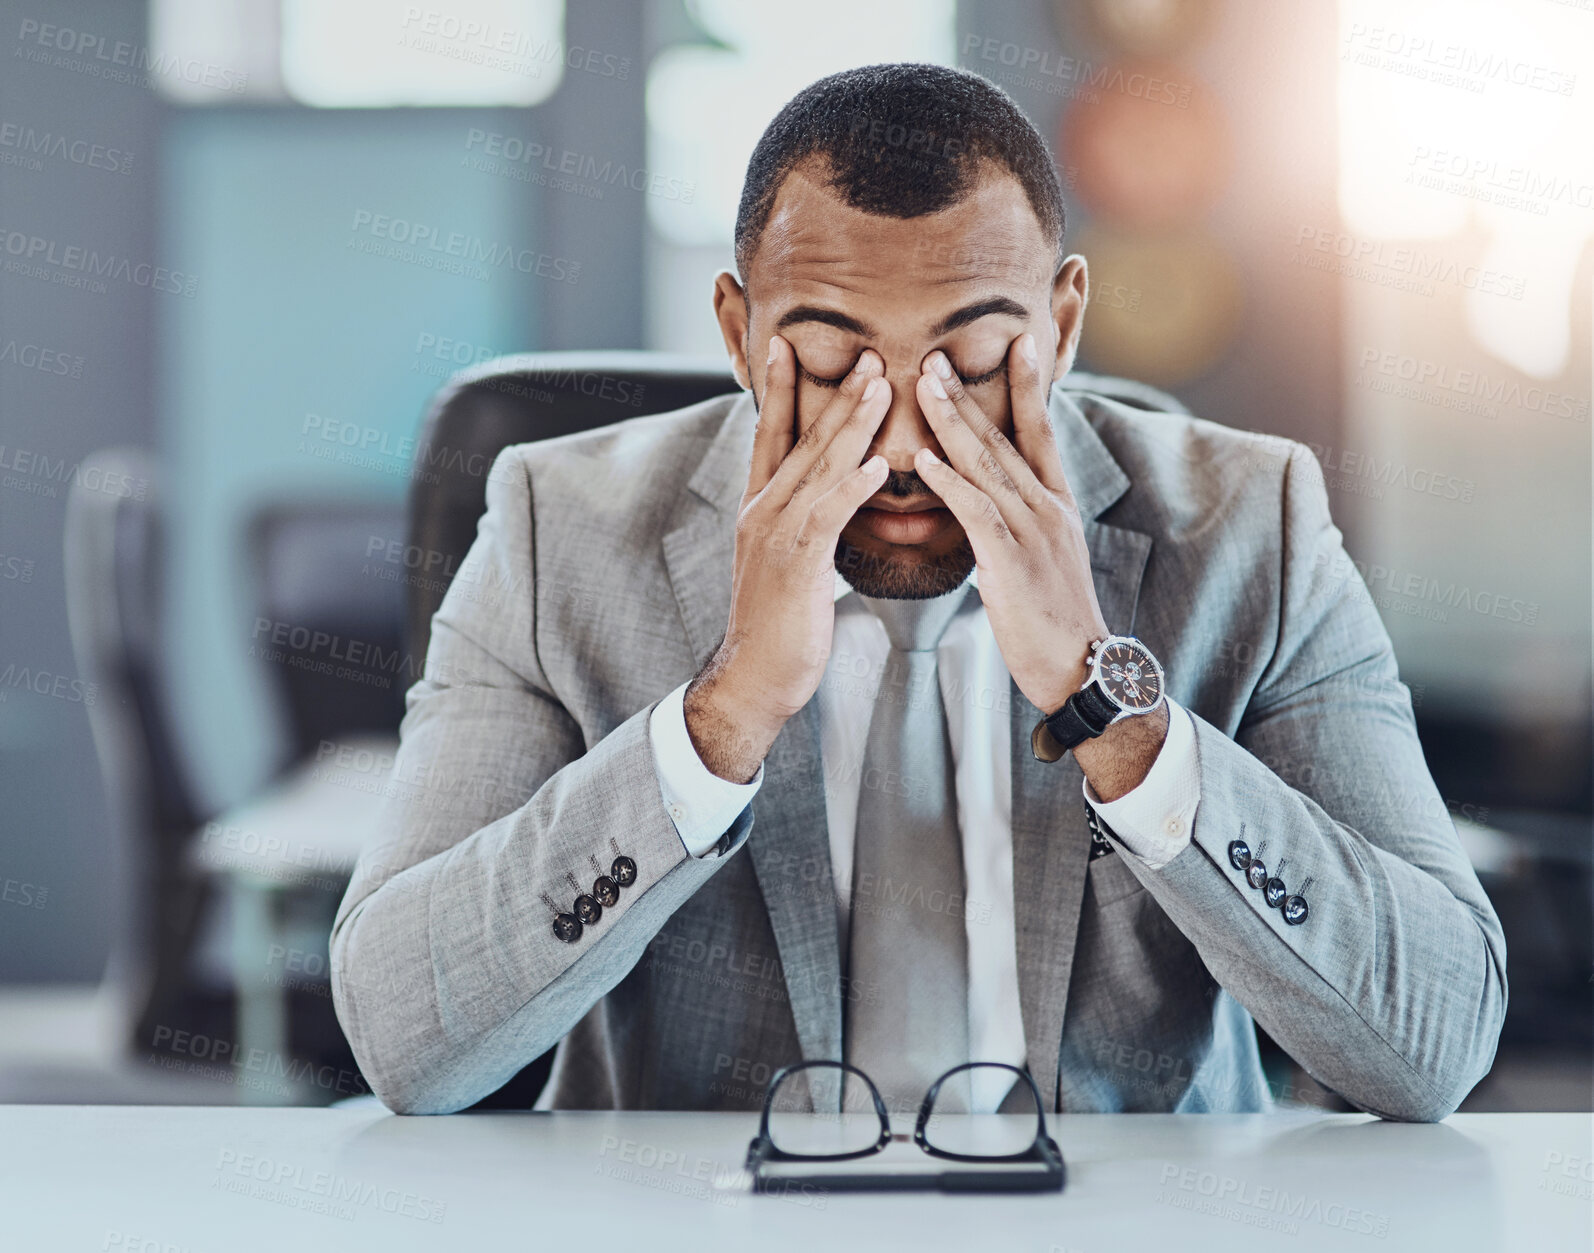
{"type": "Point", "coordinates": [870, 388]}
{"type": "Point", "coordinates": [1026, 345]}
{"type": "Point", "coordinates": [925, 455]}
{"type": "Point", "coordinates": [935, 386]}
{"type": "Point", "coordinates": [774, 347]}
{"type": "Point", "coordinates": [941, 365]}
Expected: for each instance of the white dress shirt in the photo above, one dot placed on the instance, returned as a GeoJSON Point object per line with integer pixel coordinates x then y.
{"type": "Point", "coordinates": [1153, 821]}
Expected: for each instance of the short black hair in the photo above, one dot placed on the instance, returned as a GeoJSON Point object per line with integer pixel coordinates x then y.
{"type": "Point", "coordinates": [902, 140]}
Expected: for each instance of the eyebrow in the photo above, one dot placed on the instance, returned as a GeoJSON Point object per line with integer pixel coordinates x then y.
{"type": "Point", "coordinates": [830, 317]}
{"type": "Point", "coordinates": [979, 309]}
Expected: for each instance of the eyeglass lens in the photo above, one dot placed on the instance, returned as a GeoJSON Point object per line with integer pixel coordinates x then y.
{"type": "Point", "coordinates": [952, 1129]}
{"type": "Point", "coordinates": [796, 1128]}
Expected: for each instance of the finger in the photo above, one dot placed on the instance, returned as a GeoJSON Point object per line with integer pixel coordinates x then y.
{"type": "Point", "coordinates": [982, 521]}
{"type": "Point", "coordinates": [976, 459]}
{"type": "Point", "coordinates": [833, 510]}
{"type": "Point", "coordinates": [811, 459]}
{"type": "Point", "coordinates": [847, 445]}
{"type": "Point", "coordinates": [992, 462]}
{"type": "Point", "coordinates": [1032, 423]}
{"type": "Point", "coordinates": [772, 438]}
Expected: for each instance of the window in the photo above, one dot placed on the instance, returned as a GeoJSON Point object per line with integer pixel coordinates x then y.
{"type": "Point", "coordinates": [360, 54]}
{"type": "Point", "coordinates": [707, 106]}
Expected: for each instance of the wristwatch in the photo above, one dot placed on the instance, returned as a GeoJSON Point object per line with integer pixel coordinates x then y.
{"type": "Point", "coordinates": [1124, 681]}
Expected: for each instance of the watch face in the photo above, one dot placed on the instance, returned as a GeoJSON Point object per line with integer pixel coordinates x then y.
{"type": "Point", "coordinates": [1130, 675]}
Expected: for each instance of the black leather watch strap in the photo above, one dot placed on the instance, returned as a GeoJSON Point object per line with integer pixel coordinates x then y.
{"type": "Point", "coordinates": [1084, 715]}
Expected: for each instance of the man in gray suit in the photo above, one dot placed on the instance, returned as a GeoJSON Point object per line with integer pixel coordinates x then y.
{"type": "Point", "coordinates": [907, 710]}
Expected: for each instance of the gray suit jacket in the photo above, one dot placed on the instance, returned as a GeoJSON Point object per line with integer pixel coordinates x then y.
{"type": "Point", "coordinates": [600, 580]}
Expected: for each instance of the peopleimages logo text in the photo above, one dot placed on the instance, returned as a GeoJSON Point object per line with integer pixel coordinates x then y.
{"type": "Point", "coordinates": [118, 60]}
{"type": "Point", "coordinates": [424, 238]}
{"type": "Point", "coordinates": [524, 45]}
{"type": "Point", "coordinates": [1401, 259]}
{"type": "Point", "coordinates": [28, 142]}
{"type": "Point", "coordinates": [35, 250]}
{"type": "Point", "coordinates": [577, 165]}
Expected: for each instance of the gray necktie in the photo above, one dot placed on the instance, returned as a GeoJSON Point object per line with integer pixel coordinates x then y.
{"type": "Point", "coordinates": [907, 953]}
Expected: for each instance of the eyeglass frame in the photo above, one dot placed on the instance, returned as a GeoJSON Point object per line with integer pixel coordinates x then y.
{"type": "Point", "coordinates": [1043, 1149]}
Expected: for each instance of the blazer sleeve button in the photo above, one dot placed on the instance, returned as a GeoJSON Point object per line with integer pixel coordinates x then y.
{"type": "Point", "coordinates": [1239, 854]}
{"type": "Point", "coordinates": [1295, 910]}
{"type": "Point", "coordinates": [588, 910]}
{"type": "Point", "coordinates": [567, 927]}
{"type": "Point", "coordinates": [623, 871]}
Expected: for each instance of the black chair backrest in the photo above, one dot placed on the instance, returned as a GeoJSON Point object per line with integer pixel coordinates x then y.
{"type": "Point", "coordinates": [532, 396]}
{"type": "Point", "coordinates": [329, 617]}
{"type": "Point", "coordinates": [113, 562]}
{"type": "Point", "coordinates": [114, 583]}
{"type": "Point", "coordinates": [513, 400]}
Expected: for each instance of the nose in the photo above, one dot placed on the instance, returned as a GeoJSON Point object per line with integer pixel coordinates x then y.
{"type": "Point", "coordinates": [905, 429]}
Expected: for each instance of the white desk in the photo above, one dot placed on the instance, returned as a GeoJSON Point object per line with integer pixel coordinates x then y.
{"type": "Point", "coordinates": [205, 1180]}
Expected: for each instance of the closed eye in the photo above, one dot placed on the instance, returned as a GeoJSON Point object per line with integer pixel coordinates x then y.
{"type": "Point", "coordinates": [820, 382]}
{"type": "Point", "coordinates": [986, 377]}
{"type": "Point", "coordinates": [976, 381]}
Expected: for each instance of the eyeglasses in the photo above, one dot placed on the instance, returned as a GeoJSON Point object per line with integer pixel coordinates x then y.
{"type": "Point", "coordinates": [790, 1130]}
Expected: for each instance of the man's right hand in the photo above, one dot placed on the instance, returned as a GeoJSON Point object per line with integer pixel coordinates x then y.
{"type": "Point", "coordinates": [799, 497]}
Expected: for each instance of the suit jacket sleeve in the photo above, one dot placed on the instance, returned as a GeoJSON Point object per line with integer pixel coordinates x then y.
{"type": "Point", "coordinates": [446, 974]}
{"type": "Point", "coordinates": [1393, 990]}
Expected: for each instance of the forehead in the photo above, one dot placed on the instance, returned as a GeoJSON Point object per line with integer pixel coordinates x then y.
{"type": "Point", "coordinates": [816, 248]}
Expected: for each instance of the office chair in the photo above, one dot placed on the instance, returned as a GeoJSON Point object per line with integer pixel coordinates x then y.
{"type": "Point", "coordinates": [329, 626]}
{"type": "Point", "coordinates": [169, 894]}
{"type": "Point", "coordinates": [511, 400]}
{"type": "Point", "coordinates": [530, 396]}
{"type": "Point", "coordinates": [113, 558]}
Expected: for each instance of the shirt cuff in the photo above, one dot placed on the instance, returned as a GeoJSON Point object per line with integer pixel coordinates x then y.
{"type": "Point", "coordinates": [700, 803]}
{"type": "Point", "coordinates": [1154, 820]}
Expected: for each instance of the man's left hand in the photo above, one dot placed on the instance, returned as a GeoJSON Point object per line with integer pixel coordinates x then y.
{"type": "Point", "coordinates": [1022, 521]}
{"type": "Point", "coordinates": [1029, 546]}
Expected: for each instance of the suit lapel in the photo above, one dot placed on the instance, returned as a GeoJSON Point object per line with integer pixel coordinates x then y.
{"type": "Point", "coordinates": [1051, 843]}
{"type": "Point", "coordinates": [790, 843]}
{"type": "Point", "coordinates": [790, 846]}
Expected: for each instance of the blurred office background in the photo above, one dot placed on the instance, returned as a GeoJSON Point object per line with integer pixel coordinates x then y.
{"type": "Point", "coordinates": [235, 242]}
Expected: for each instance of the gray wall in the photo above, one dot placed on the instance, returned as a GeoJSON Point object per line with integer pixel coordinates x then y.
{"type": "Point", "coordinates": [53, 820]}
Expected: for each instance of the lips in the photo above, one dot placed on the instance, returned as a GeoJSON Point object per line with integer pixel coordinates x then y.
{"type": "Point", "coordinates": [898, 507]}
{"type": "Point", "coordinates": [904, 526]}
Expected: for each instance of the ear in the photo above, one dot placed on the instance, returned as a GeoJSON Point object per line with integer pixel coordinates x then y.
{"type": "Point", "coordinates": [730, 309]}
{"type": "Point", "coordinates": [1070, 291]}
